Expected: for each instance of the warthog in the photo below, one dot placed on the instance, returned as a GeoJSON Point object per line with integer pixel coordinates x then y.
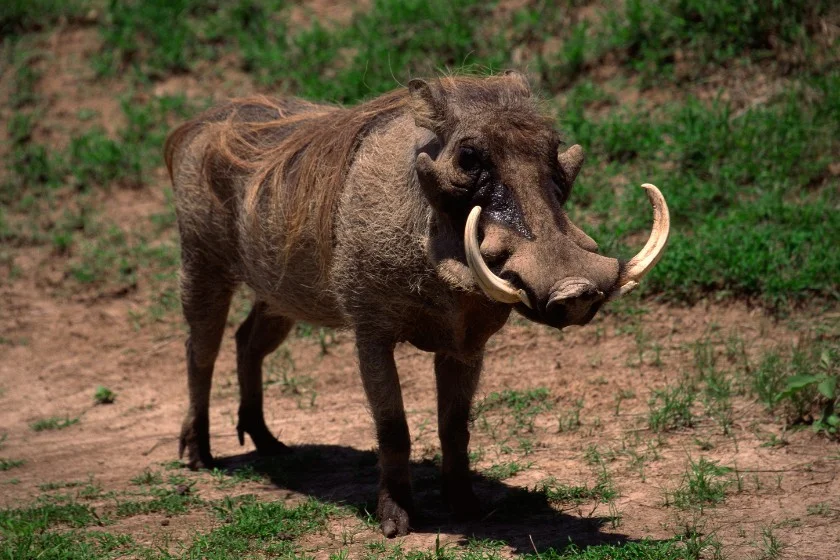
{"type": "Point", "coordinates": [425, 215]}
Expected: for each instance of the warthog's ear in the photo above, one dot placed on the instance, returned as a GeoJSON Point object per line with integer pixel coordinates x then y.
{"type": "Point", "coordinates": [570, 162]}
{"type": "Point", "coordinates": [427, 104]}
{"type": "Point", "coordinates": [520, 81]}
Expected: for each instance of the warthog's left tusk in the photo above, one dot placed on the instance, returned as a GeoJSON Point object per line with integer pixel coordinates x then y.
{"type": "Point", "coordinates": [638, 267]}
{"type": "Point", "coordinates": [495, 287]}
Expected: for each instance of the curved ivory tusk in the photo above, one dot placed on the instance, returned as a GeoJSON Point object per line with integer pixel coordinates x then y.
{"type": "Point", "coordinates": [495, 288]}
{"type": "Point", "coordinates": [637, 267]}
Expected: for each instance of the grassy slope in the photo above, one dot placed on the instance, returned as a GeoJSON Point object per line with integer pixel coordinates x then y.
{"type": "Point", "coordinates": [753, 197]}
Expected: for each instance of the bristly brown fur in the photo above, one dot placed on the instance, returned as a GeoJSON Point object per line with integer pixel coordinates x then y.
{"type": "Point", "coordinates": [294, 155]}
{"type": "Point", "coordinates": [294, 162]}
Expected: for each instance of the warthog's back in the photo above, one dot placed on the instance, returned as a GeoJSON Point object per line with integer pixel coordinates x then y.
{"type": "Point", "coordinates": [257, 183]}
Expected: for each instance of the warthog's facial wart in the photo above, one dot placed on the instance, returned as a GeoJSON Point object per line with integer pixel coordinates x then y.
{"type": "Point", "coordinates": [500, 205]}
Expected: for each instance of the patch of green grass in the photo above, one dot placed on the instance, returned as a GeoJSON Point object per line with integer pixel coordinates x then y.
{"type": "Point", "coordinates": [47, 486]}
{"type": "Point", "coordinates": [750, 192]}
{"type": "Point", "coordinates": [520, 408]}
{"type": "Point", "coordinates": [651, 35]}
{"type": "Point", "coordinates": [104, 395]}
{"type": "Point", "coordinates": [370, 55]}
{"type": "Point", "coordinates": [385, 44]}
{"type": "Point", "coordinates": [717, 390]}
{"type": "Point", "coordinates": [148, 478]}
{"type": "Point", "coordinates": [52, 531]}
{"type": "Point", "coordinates": [770, 547]}
{"type": "Point", "coordinates": [569, 421]}
{"type": "Point", "coordinates": [154, 36]}
{"type": "Point", "coordinates": [171, 501]}
{"type": "Point", "coordinates": [505, 470]}
{"type": "Point", "coordinates": [704, 484]}
{"type": "Point", "coordinates": [252, 527]}
{"type": "Point", "coordinates": [32, 169]}
{"type": "Point", "coordinates": [474, 549]}
{"type": "Point", "coordinates": [44, 516]}
{"type": "Point", "coordinates": [94, 159]}
{"type": "Point", "coordinates": [280, 370]}
{"type": "Point", "coordinates": [802, 382]}
{"type": "Point", "coordinates": [8, 464]}
{"type": "Point", "coordinates": [234, 477]}
{"type": "Point", "coordinates": [640, 550]}
{"type": "Point", "coordinates": [822, 509]}
{"type": "Point", "coordinates": [670, 408]}
{"type": "Point", "coordinates": [25, 80]}
{"type": "Point", "coordinates": [53, 423]}
{"type": "Point", "coordinates": [21, 16]}
{"type": "Point", "coordinates": [603, 490]}
{"type": "Point", "coordinates": [105, 260]}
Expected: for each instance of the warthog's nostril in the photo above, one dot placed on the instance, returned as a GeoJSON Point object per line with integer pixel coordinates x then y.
{"type": "Point", "coordinates": [572, 301]}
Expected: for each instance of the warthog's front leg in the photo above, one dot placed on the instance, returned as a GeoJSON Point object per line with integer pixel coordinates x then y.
{"type": "Point", "coordinates": [456, 384]}
{"type": "Point", "coordinates": [382, 386]}
{"type": "Point", "coordinates": [256, 338]}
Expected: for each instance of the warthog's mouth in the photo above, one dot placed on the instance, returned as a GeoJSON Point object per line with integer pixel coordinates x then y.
{"type": "Point", "coordinates": [631, 274]}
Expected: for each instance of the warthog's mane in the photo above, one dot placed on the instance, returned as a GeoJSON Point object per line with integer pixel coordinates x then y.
{"type": "Point", "coordinates": [288, 158]}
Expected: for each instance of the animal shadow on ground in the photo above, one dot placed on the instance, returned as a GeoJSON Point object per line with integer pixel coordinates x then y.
{"type": "Point", "coordinates": [520, 517]}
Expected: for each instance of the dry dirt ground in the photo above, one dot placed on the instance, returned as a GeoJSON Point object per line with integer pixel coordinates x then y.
{"type": "Point", "coordinates": [59, 346]}
{"type": "Point", "coordinates": [62, 350]}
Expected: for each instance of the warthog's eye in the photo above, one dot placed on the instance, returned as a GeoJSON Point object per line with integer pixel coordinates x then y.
{"type": "Point", "coordinates": [469, 159]}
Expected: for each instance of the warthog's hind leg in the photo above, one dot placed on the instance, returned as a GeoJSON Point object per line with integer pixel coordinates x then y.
{"type": "Point", "coordinates": [456, 384]}
{"type": "Point", "coordinates": [257, 337]}
{"type": "Point", "coordinates": [205, 299]}
{"type": "Point", "coordinates": [382, 387]}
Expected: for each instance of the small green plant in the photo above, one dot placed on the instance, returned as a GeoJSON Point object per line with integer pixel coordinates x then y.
{"type": "Point", "coordinates": [824, 384]}
{"type": "Point", "coordinates": [503, 471]}
{"type": "Point", "coordinates": [569, 421]}
{"type": "Point", "coordinates": [603, 491]}
{"type": "Point", "coordinates": [704, 484]}
{"type": "Point", "coordinates": [8, 464]}
{"type": "Point", "coordinates": [522, 406]}
{"type": "Point", "coordinates": [47, 486]}
{"type": "Point", "coordinates": [104, 395]}
{"type": "Point", "coordinates": [770, 547]}
{"type": "Point", "coordinates": [670, 408]}
{"type": "Point", "coordinates": [822, 509]}
{"type": "Point", "coordinates": [148, 478]}
{"type": "Point", "coordinates": [803, 382]}
{"type": "Point", "coordinates": [171, 502]}
{"type": "Point", "coordinates": [53, 423]}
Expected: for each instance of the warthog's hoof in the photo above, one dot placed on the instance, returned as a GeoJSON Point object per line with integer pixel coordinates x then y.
{"type": "Point", "coordinates": [196, 447]}
{"type": "Point", "coordinates": [267, 445]}
{"type": "Point", "coordinates": [393, 518]}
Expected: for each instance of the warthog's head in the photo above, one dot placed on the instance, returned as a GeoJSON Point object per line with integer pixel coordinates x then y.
{"type": "Point", "coordinates": [494, 172]}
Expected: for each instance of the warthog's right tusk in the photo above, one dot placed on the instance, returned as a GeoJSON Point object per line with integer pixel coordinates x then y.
{"type": "Point", "coordinates": [638, 267]}
{"type": "Point", "coordinates": [495, 287]}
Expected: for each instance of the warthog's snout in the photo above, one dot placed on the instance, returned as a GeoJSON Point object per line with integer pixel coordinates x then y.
{"type": "Point", "coordinates": [573, 301]}
{"type": "Point", "coordinates": [587, 278]}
